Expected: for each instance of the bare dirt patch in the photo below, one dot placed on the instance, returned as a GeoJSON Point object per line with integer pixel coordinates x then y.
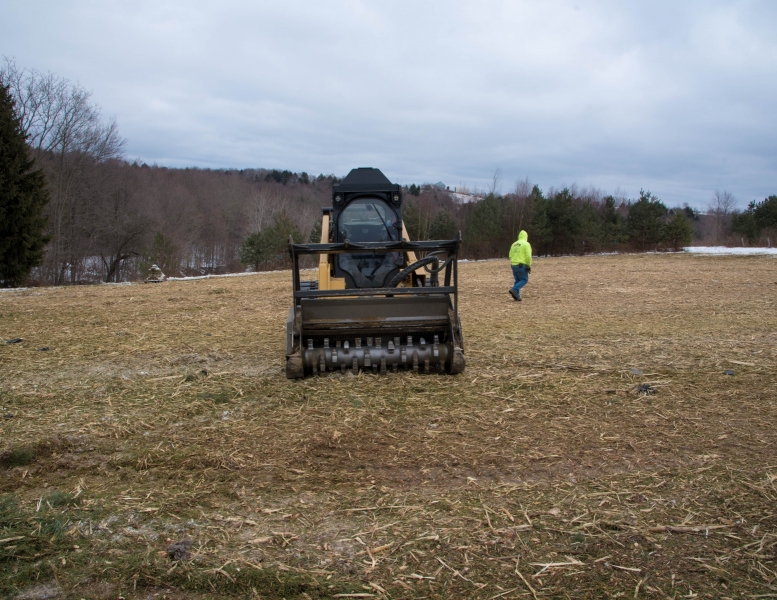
{"type": "Point", "coordinates": [161, 412]}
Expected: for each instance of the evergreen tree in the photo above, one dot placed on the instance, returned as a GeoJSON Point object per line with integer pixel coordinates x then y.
{"type": "Point", "coordinates": [270, 246]}
{"type": "Point", "coordinates": [411, 217]}
{"type": "Point", "coordinates": [23, 195]}
{"type": "Point", "coordinates": [766, 213]}
{"type": "Point", "coordinates": [539, 231]}
{"type": "Point", "coordinates": [253, 250]}
{"type": "Point", "coordinates": [485, 221]}
{"type": "Point", "coordinates": [443, 227]}
{"type": "Point", "coordinates": [563, 220]}
{"type": "Point", "coordinates": [758, 216]}
{"type": "Point", "coordinates": [678, 231]}
{"type": "Point", "coordinates": [315, 234]}
{"type": "Point", "coordinates": [746, 224]}
{"type": "Point", "coordinates": [690, 213]}
{"type": "Point", "coordinates": [645, 222]}
{"type": "Point", "coordinates": [591, 231]}
{"type": "Point", "coordinates": [484, 227]}
{"type": "Point", "coordinates": [279, 176]}
{"type": "Point", "coordinates": [612, 223]}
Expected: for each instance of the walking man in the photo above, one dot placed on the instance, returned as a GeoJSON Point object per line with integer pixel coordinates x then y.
{"type": "Point", "coordinates": [520, 259]}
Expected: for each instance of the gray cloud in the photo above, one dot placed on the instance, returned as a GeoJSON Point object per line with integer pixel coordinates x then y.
{"type": "Point", "coordinates": [672, 97]}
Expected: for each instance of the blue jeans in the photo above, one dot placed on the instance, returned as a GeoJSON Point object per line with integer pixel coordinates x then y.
{"type": "Point", "coordinates": [521, 278]}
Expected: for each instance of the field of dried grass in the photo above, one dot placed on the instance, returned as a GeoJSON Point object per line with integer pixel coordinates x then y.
{"type": "Point", "coordinates": [161, 412]}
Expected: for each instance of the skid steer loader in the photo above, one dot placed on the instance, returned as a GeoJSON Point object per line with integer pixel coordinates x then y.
{"type": "Point", "coordinates": [380, 301]}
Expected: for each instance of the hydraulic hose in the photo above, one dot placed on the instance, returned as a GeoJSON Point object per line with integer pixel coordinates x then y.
{"type": "Point", "coordinates": [402, 275]}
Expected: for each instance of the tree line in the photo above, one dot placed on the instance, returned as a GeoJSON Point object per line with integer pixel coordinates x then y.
{"type": "Point", "coordinates": [565, 221]}
{"type": "Point", "coordinates": [74, 210]}
{"type": "Point", "coordinates": [107, 218]}
{"type": "Point", "coordinates": [757, 221]}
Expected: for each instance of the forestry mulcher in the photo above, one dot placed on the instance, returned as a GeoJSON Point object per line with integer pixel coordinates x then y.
{"type": "Point", "coordinates": [380, 301]}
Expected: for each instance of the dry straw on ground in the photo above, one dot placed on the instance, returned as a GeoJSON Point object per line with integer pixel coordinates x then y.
{"type": "Point", "coordinates": [161, 412]}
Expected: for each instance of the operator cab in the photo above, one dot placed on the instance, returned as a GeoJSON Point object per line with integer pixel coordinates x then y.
{"type": "Point", "coordinates": [367, 207]}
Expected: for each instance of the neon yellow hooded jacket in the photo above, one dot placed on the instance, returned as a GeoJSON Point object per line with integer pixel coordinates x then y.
{"type": "Point", "coordinates": [520, 251]}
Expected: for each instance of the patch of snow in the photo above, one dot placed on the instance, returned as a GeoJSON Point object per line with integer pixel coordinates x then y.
{"type": "Point", "coordinates": [465, 198]}
{"type": "Point", "coordinates": [246, 274]}
{"type": "Point", "coordinates": [479, 260]}
{"type": "Point", "coordinates": [190, 278]}
{"type": "Point", "coordinates": [723, 250]}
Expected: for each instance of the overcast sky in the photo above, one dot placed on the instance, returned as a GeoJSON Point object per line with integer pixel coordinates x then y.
{"type": "Point", "coordinates": [676, 97]}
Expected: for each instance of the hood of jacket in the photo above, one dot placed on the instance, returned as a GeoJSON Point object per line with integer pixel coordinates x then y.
{"type": "Point", "coordinates": [523, 236]}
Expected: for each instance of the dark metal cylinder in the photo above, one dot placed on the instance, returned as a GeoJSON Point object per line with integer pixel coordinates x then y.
{"type": "Point", "coordinates": [377, 355]}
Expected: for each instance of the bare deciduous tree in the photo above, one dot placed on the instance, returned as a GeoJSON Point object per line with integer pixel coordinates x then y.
{"type": "Point", "coordinates": [58, 117]}
{"type": "Point", "coordinates": [121, 226]}
{"type": "Point", "coordinates": [496, 182]}
{"type": "Point", "coordinates": [518, 199]}
{"type": "Point", "coordinates": [68, 138]}
{"type": "Point", "coordinates": [262, 203]}
{"type": "Point", "coordinates": [721, 205]}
